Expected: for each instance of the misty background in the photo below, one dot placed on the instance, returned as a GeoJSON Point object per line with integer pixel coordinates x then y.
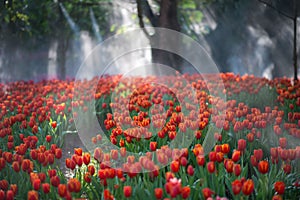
{"type": "Point", "coordinates": [46, 41]}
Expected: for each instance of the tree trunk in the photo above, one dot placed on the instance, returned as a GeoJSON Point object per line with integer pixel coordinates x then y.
{"type": "Point", "coordinates": [62, 47]}
{"type": "Point", "coordinates": [168, 18]}
{"type": "Point", "coordinates": [295, 43]}
{"type": "Point", "coordinates": [295, 51]}
{"type": "Point", "coordinates": [61, 57]}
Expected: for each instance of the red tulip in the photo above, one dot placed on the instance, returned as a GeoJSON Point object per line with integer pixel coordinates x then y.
{"type": "Point", "coordinates": [78, 151]}
{"type": "Point", "coordinates": [46, 188]}
{"type": "Point", "coordinates": [292, 154]}
{"type": "Point", "coordinates": [250, 137]}
{"type": "Point", "coordinates": [51, 172]}
{"type": "Point", "coordinates": [16, 166]}
{"type": "Point", "coordinates": [183, 161]}
{"type": "Point", "coordinates": [87, 177]}
{"type": "Point", "coordinates": [2, 194]}
{"type": "Point", "coordinates": [107, 195]}
{"type": "Point", "coordinates": [153, 146]}
{"type": "Point", "coordinates": [229, 166]}
{"type": "Point", "coordinates": [169, 175]}
{"type": "Point", "coordinates": [236, 156]}
{"type": "Point", "coordinates": [55, 181]}
{"type": "Point", "coordinates": [62, 190]}
{"type": "Point", "coordinates": [207, 193]}
{"type": "Point", "coordinates": [158, 192]}
{"type": "Point", "coordinates": [36, 184]}
{"type": "Point", "coordinates": [237, 169]}
{"type": "Point", "coordinates": [287, 168]}
{"type": "Point", "coordinates": [70, 164]}
{"type": "Point", "coordinates": [283, 142]}
{"type": "Point", "coordinates": [279, 187]}
{"type": "Point", "coordinates": [185, 192]}
{"type": "Point", "coordinates": [54, 124]}
{"type": "Point", "coordinates": [42, 176]}
{"type": "Point", "coordinates": [258, 153]}
{"type": "Point", "coordinates": [41, 157]}
{"type": "Point", "coordinates": [274, 152]}
{"type": "Point", "coordinates": [212, 156]}
{"type": "Point", "coordinates": [198, 134]}
{"type": "Point", "coordinates": [48, 138]}
{"type": "Point", "coordinates": [263, 166]}
{"type": "Point", "coordinates": [248, 187]}
{"type": "Point", "coordinates": [91, 169]}
{"type": "Point", "coordinates": [211, 167]}
{"type": "Point", "coordinates": [241, 144]}
{"type": "Point", "coordinates": [4, 184]}
{"type": "Point", "coordinates": [236, 187]}
{"type": "Point", "coordinates": [58, 153]}
{"type": "Point", "coordinates": [277, 130]}
{"type": "Point", "coordinates": [74, 185]}
{"type": "Point", "coordinates": [200, 160]}
{"type": "Point", "coordinates": [2, 163]}
{"type": "Point", "coordinates": [98, 154]}
{"type": "Point", "coordinates": [114, 154]}
{"type": "Point", "coordinates": [283, 153]}
{"type": "Point", "coordinates": [127, 190]}
{"type": "Point", "coordinates": [9, 195]}
{"type": "Point", "coordinates": [14, 188]}
{"type": "Point", "coordinates": [225, 148]}
{"type": "Point", "coordinates": [253, 160]}
{"type": "Point", "coordinates": [276, 197]}
{"type": "Point", "coordinates": [174, 166]}
{"type": "Point", "coordinates": [220, 157]}
{"type": "Point", "coordinates": [190, 170]}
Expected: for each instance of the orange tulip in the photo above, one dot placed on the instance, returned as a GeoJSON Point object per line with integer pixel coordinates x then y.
{"type": "Point", "coordinates": [236, 156]}
{"type": "Point", "coordinates": [62, 190]}
{"type": "Point", "coordinates": [32, 195]}
{"type": "Point", "coordinates": [225, 148]}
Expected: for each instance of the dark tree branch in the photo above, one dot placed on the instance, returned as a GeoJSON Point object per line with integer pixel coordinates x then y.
{"type": "Point", "coordinates": [148, 12]}
{"type": "Point", "coordinates": [273, 7]}
{"type": "Point", "coordinates": [294, 18]}
{"type": "Point", "coordinates": [140, 16]}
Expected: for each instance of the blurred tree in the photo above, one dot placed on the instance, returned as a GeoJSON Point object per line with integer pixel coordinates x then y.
{"type": "Point", "coordinates": [30, 23]}
{"type": "Point", "coordinates": [172, 14]}
{"type": "Point", "coordinates": [291, 10]}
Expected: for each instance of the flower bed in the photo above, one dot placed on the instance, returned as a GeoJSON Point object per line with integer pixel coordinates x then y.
{"type": "Point", "coordinates": [255, 131]}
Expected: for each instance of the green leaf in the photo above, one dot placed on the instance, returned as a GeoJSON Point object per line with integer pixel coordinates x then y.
{"type": "Point", "coordinates": [113, 28]}
{"type": "Point", "coordinates": [189, 4]}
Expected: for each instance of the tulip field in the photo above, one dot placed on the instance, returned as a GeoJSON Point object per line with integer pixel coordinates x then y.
{"type": "Point", "coordinates": [156, 142]}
